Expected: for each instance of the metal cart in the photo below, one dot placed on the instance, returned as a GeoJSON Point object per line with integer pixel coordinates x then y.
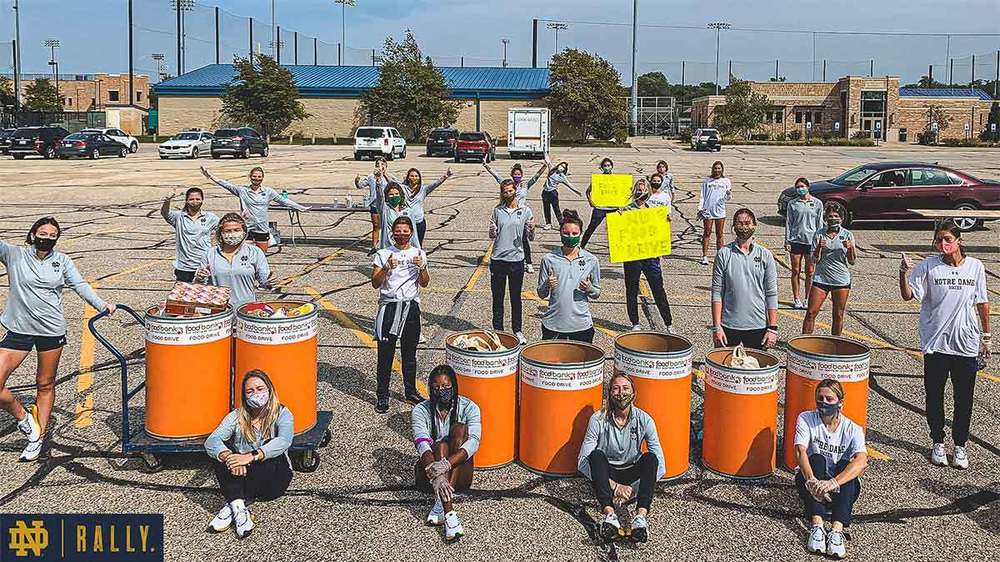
{"type": "Point", "coordinates": [303, 452]}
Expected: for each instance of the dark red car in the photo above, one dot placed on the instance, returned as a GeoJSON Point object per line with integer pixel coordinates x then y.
{"type": "Point", "coordinates": [475, 146]}
{"type": "Point", "coordinates": [886, 190]}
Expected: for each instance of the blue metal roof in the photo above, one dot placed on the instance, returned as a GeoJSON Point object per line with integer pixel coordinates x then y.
{"type": "Point", "coordinates": [352, 81]}
{"type": "Point", "coordinates": [944, 93]}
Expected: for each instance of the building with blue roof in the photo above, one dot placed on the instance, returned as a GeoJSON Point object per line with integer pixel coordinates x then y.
{"type": "Point", "coordinates": [330, 95]}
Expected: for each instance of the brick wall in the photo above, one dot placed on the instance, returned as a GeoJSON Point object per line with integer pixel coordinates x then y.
{"type": "Point", "coordinates": [914, 115]}
{"type": "Point", "coordinates": [81, 95]}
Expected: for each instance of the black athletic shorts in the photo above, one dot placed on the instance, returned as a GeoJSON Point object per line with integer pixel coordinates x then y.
{"type": "Point", "coordinates": [799, 249]}
{"type": "Point", "coordinates": [373, 210]}
{"type": "Point", "coordinates": [25, 342]}
{"type": "Point", "coordinates": [827, 288]}
{"type": "Point", "coordinates": [259, 236]}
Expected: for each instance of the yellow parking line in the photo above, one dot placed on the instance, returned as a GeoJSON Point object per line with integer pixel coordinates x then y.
{"type": "Point", "coordinates": [878, 455]}
{"type": "Point", "coordinates": [480, 269]}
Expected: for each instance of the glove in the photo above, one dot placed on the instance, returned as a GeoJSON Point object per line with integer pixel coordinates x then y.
{"type": "Point", "coordinates": [438, 468]}
{"type": "Point", "coordinates": [443, 488]}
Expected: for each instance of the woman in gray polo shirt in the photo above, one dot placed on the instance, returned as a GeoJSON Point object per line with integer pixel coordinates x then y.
{"type": "Point", "coordinates": [569, 277]}
{"type": "Point", "coordinates": [833, 251]}
{"type": "Point", "coordinates": [234, 263]}
{"type": "Point", "coordinates": [510, 225]}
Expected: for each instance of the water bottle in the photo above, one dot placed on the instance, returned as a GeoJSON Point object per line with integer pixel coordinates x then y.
{"type": "Point", "coordinates": [284, 193]}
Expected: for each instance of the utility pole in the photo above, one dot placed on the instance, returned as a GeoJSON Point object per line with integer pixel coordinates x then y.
{"type": "Point", "coordinates": [534, 43]}
{"type": "Point", "coordinates": [505, 42]}
{"type": "Point", "coordinates": [718, 26]}
{"type": "Point", "coordinates": [343, 21]}
{"type": "Point", "coordinates": [217, 29]}
{"type": "Point", "coordinates": [131, 59]}
{"type": "Point", "coordinates": [17, 56]}
{"type": "Point", "coordinates": [635, 91]}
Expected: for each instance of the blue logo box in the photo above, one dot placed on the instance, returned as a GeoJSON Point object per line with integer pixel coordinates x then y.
{"type": "Point", "coordinates": [81, 536]}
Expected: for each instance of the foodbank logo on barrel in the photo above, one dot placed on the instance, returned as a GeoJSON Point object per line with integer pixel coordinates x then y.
{"type": "Point", "coordinates": [90, 537]}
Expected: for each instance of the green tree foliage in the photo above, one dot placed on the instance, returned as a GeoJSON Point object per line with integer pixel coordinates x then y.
{"type": "Point", "coordinates": [926, 82]}
{"type": "Point", "coordinates": [653, 84]}
{"type": "Point", "coordinates": [6, 92]}
{"type": "Point", "coordinates": [41, 95]}
{"type": "Point", "coordinates": [743, 112]}
{"type": "Point", "coordinates": [263, 95]}
{"type": "Point", "coordinates": [411, 94]}
{"type": "Point", "coordinates": [585, 93]}
{"type": "Point", "coordinates": [994, 117]}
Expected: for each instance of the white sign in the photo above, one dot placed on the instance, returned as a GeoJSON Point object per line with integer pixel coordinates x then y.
{"type": "Point", "coordinates": [188, 332]}
{"type": "Point", "coordinates": [649, 367]}
{"type": "Point", "coordinates": [562, 377]}
{"type": "Point", "coordinates": [836, 126]}
{"type": "Point", "coordinates": [741, 381]}
{"type": "Point", "coordinates": [276, 333]}
{"type": "Point", "coordinates": [993, 127]}
{"type": "Point", "coordinates": [817, 370]}
{"type": "Point", "coordinates": [809, 125]}
{"type": "Point", "coordinates": [481, 366]}
{"type": "Point", "coordinates": [934, 127]}
{"type": "Point", "coordinates": [878, 125]}
{"type": "Point", "coordinates": [968, 127]}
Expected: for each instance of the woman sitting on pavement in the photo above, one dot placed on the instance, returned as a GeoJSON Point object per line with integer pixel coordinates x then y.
{"type": "Point", "coordinates": [251, 449]}
{"type": "Point", "coordinates": [446, 432]}
{"type": "Point", "coordinates": [611, 457]}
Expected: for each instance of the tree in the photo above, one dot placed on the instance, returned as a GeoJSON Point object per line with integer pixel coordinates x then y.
{"type": "Point", "coordinates": [994, 118]}
{"type": "Point", "coordinates": [653, 84]}
{"type": "Point", "coordinates": [6, 93]}
{"type": "Point", "coordinates": [935, 114]}
{"type": "Point", "coordinates": [585, 93]}
{"type": "Point", "coordinates": [411, 94]}
{"type": "Point", "coordinates": [926, 82]}
{"type": "Point", "coordinates": [263, 95]}
{"type": "Point", "coordinates": [743, 112]}
{"type": "Point", "coordinates": [41, 95]}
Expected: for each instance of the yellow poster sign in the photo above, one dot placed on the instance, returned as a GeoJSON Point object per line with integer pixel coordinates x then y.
{"type": "Point", "coordinates": [610, 190]}
{"type": "Point", "coordinates": [639, 234]}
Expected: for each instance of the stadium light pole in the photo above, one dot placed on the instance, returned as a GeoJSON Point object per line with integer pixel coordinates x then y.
{"type": "Point", "coordinates": [181, 6]}
{"type": "Point", "coordinates": [505, 41]}
{"type": "Point", "coordinates": [343, 21]}
{"type": "Point", "coordinates": [53, 44]}
{"type": "Point", "coordinates": [160, 67]}
{"type": "Point", "coordinates": [557, 27]}
{"type": "Point", "coordinates": [718, 26]}
{"type": "Point", "coordinates": [635, 93]}
{"type": "Point", "coordinates": [17, 56]}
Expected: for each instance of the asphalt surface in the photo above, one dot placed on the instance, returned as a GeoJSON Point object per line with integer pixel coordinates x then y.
{"type": "Point", "coordinates": [359, 505]}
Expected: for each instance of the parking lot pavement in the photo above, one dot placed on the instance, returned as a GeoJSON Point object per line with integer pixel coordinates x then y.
{"type": "Point", "coordinates": [358, 505]}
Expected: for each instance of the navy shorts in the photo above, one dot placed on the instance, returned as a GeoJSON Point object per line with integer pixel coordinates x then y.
{"type": "Point", "coordinates": [827, 288]}
{"type": "Point", "coordinates": [259, 236]}
{"type": "Point", "coordinates": [799, 249]}
{"type": "Point", "coordinates": [25, 342]}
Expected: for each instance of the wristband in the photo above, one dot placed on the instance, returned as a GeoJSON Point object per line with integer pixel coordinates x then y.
{"type": "Point", "coordinates": [716, 329]}
{"type": "Point", "coordinates": [772, 328]}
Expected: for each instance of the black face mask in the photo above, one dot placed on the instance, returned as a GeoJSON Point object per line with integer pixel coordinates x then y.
{"type": "Point", "coordinates": [442, 397]}
{"type": "Point", "coordinates": [44, 244]}
{"type": "Point", "coordinates": [656, 185]}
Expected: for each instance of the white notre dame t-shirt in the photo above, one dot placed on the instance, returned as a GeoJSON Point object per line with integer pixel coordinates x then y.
{"type": "Point", "coordinates": [948, 297]}
{"type": "Point", "coordinates": [401, 283]}
{"type": "Point", "coordinates": [845, 442]}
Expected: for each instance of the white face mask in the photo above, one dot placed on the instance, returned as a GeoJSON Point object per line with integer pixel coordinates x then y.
{"type": "Point", "coordinates": [233, 238]}
{"type": "Point", "coordinates": [258, 400]}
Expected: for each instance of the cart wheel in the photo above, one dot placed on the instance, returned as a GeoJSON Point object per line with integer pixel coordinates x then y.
{"type": "Point", "coordinates": [327, 436]}
{"type": "Point", "coordinates": [153, 463]}
{"type": "Point", "coordinates": [308, 461]}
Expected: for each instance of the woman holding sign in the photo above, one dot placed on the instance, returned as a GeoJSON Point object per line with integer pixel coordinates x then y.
{"type": "Point", "coordinates": [569, 277]}
{"type": "Point", "coordinates": [650, 267]}
{"type": "Point", "coordinates": [715, 191]}
{"type": "Point", "coordinates": [510, 226]}
{"type": "Point", "coordinates": [598, 213]}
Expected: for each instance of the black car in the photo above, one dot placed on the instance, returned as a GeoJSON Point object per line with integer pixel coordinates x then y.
{"type": "Point", "coordinates": [6, 136]}
{"type": "Point", "coordinates": [442, 141]}
{"type": "Point", "coordinates": [238, 143]}
{"type": "Point", "coordinates": [707, 139]}
{"type": "Point", "coordinates": [90, 145]}
{"type": "Point", "coordinates": [36, 141]}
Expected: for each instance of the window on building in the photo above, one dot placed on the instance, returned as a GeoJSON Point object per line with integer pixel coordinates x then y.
{"type": "Point", "coordinates": [798, 116]}
{"type": "Point", "coordinates": [818, 117]}
{"type": "Point", "coordinates": [93, 102]}
{"type": "Point", "coordinates": [779, 116]}
{"type": "Point", "coordinates": [113, 95]}
{"type": "Point", "coordinates": [138, 96]}
{"type": "Point", "coordinates": [69, 102]}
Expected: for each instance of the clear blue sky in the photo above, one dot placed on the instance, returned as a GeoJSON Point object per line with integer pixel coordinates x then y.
{"type": "Point", "coordinates": [93, 33]}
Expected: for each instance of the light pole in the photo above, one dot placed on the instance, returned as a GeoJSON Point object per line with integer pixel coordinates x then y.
{"type": "Point", "coordinates": [718, 26]}
{"type": "Point", "coordinates": [635, 92]}
{"type": "Point", "coordinates": [343, 21]}
{"type": "Point", "coordinates": [505, 41]}
{"type": "Point", "coordinates": [53, 44]}
{"type": "Point", "coordinates": [557, 26]}
{"type": "Point", "coordinates": [161, 70]}
{"type": "Point", "coordinates": [17, 56]}
{"type": "Point", "coordinates": [181, 6]}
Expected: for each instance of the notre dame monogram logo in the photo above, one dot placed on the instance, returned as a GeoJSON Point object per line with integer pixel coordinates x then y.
{"type": "Point", "coordinates": [24, 538]}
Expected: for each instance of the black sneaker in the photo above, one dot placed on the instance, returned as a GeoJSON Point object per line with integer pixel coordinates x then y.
{"type": "Point", "coordinates": [382, 405]}
{"type": "Point", "coordinates": [611, 529]}
{"type": "Point", "coordinates": [414, 398]}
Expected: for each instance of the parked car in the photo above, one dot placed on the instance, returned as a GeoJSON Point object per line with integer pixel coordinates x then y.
{"type": "Point", "coordinates": [708, 139]}
{"type": "Point", "coordinates": [477, 146]}
{"type": "Point", "coordinates": [442, 141]}
{"type": "Point", "coordinates": [887, 190]}
{"type": "Point", "coordinates": [119, 136]}
{"type": "Point", "coordinates": [90, 145]}
{"type": "Point", "coordinates": [379, 141]}
{"type": "Point", "coordinates": [6, 136]}
{"type": "Point", "coordinates": [189, 144]}
{"type": "Point", "coordinates": [36, 141]}
{"type": "Point", "coordinates": [238, 143]}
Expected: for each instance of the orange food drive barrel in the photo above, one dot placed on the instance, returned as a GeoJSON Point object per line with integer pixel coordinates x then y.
{"type": "Point", "coordinates": [660, 368]}
{"type": "Point", "coordinates": [285, 349]}
{"type": "Point", "coordinates": [561, 385]}
{"type": "Point", "coordinates": [812, 359]}
{"type": "Point", "coordinates": [489, 378]}
{"type": "Point", "coordinates": [187, 373]}
{"type": "Point", "coordinates": [740, 415]}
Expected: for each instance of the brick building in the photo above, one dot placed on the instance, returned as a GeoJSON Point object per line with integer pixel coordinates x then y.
{"type": "Point", "coordinates": [856, 105]}
{"type": "Point", "coordinates": [93, 92]}
{"type": "Point", "coordinates": [331, 95]}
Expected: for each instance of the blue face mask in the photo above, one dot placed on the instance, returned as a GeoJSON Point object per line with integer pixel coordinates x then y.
{"type": "Point", "coordinates": [801, 190]}
{"type": "Point", "coordinates": [827, 410]}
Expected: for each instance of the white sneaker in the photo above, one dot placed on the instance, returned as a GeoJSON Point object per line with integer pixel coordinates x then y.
{"type": "Point", "coordinates": [960, 459]}
{"type": "Point", "coordinates": [611, 529]}
{"type": "Point", "coordinates": [547, 227]}
{"type": "Point", "coordinates": [670, 330]}
{"type": "Point", "coordinates": [31, 451]}
{"type": "Point", "coordinates": [29, 425]}
{"type": "Point", "coordinates": [452, 526]}
{"type": "Point", "coordinates": [436, 517]}
{"type": "Point", "coordinates": [636, 328]}
{"type": "Point", "coordinates": [835, 545]}
{"type": "Point", "coordinates": [704, 260]}
{"type": "Point", "coordinates": [938, 455]}
{"type": "Point", "coordinates": [817, 540]}
{"type": "Point", "coordinates": [244, 522]}
{"type": "Point", "coordinates": [529, 268]}
{"type": "Point", "coordinates": [640, 529]}
{"type": "Point", "coordinates": [521, 340]}
{"type": "Point", "coordinates": [798, 305]}
{"type": "Point", "coordinates": [423, 338]}
{"type": "Point", "coordinates": [223, 520]}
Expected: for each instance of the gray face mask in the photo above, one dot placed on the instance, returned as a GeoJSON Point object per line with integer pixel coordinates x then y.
{"type": "Point", "coordinates": [258, 400]}
{"type": "Point", "coordinates": [827, 410]}
{"type": "Point", "coordinates": [233, 238]}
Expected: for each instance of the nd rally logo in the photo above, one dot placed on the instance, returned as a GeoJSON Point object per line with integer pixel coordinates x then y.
{"type": "Point", "coordinates": [25, 539]}
{"type": "Point", "coordinates": [90, 537]}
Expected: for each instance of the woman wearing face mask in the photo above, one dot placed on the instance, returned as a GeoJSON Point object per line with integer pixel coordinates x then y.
{"type": "Point", "coordinates": [569, 277]}
{"type": "Point", "coordinates": [830, 450]}
{"type": "Point", "coordinates": [597, 214]}
{"type": "Point", "coordinates": [833, 252]}
{"type": "Point", "coordinates": [521, 188]}
{"type": "Point", "coordinates": [397, 272]}
{"type": "Point", "coordinates": [34, 319]}
{"type": "Point", "coordinates": [250, 448]}
{"type": "Point", "coordinates": [193, 231]}
{"type": "Point", "coordinates": [951, 288]}
{"type": "Point", "coordinates": [416, 193]}
{"type": "Point", "coordinates": [231, 263]}
{"type": "Point", "coordinates": [660, 195]}
{"type": "Point", "coordinates": [668, 179]}
{"type": "Point", "coordinates": [803, 220]}
{"type": "Point", "coordinates": [446, 431]}
{"type": "Point", "coordinates": [611, 458]}
{"type": "Point", "coordinates": [715, 191]}
{"type": "Point", "coordinates": [395, 205]}
{"type": "Point", "coordinates": [650, 267]}
{"type": "Point", "coordinates": [550, 193]}
{"type": "Point", "coordinates": [254, 201]}
{"type": "Point", "coordinates": [510, 225]}
{"type": "Point", "coordinates": [375, 183]}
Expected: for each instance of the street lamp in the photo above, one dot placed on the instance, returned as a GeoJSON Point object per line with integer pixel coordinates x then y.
{"type": "Point", "coordinates": [181, 6]}
{"type": "Point", "coordinates": [557, 26]}
{"type": "Point", "coordinates": [718, 26]}
{"type": "Point", "coordinates": [505, 41]}
{"type": "Point", "coordinates": [343, 21]}
{"type": "Point", "coordinates": [54, 44]}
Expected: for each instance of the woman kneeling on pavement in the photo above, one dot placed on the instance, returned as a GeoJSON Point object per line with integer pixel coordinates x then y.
{"type": "Point", "coordinates": [612, 458]}
{"type": "Point", "coordinates": [830, 450]}
{"type": "Point", "coordinates": [251, 449]}
{"type": "Point", "coordinates": [446, 431]}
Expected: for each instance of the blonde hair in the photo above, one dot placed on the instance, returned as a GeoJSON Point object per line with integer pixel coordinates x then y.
{"type": "Point", "coordinates": [834, 387]}
{"type": "Point", "coordinates": [270, 410]}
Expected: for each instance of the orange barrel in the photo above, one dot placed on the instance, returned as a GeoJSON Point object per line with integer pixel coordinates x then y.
{"type": "Point", "coordinates": [812, 359]}
{"type": "Point", "coordinates": [187, 373]}
{"type": "Point", "coordinates": [285, 349]}
{"type": "Point", "coordinates": [489, 378]}
{"type": "Point", "coordinates": [660, 368]}
{"type": "Point", "coordinates": [740, 415]}
{"type": "Point", "coordinates": [561, 385]}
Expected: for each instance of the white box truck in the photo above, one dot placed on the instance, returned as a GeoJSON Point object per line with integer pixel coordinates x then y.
{"type": "Point", "coordinates": [528, 132]}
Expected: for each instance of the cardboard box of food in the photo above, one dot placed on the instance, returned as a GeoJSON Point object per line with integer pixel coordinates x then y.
{"type": "Point", "coordinates": [190, 299]}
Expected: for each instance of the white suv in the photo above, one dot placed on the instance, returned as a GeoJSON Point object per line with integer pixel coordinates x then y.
{"type": "Point", "coordinates": [379, 141]}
